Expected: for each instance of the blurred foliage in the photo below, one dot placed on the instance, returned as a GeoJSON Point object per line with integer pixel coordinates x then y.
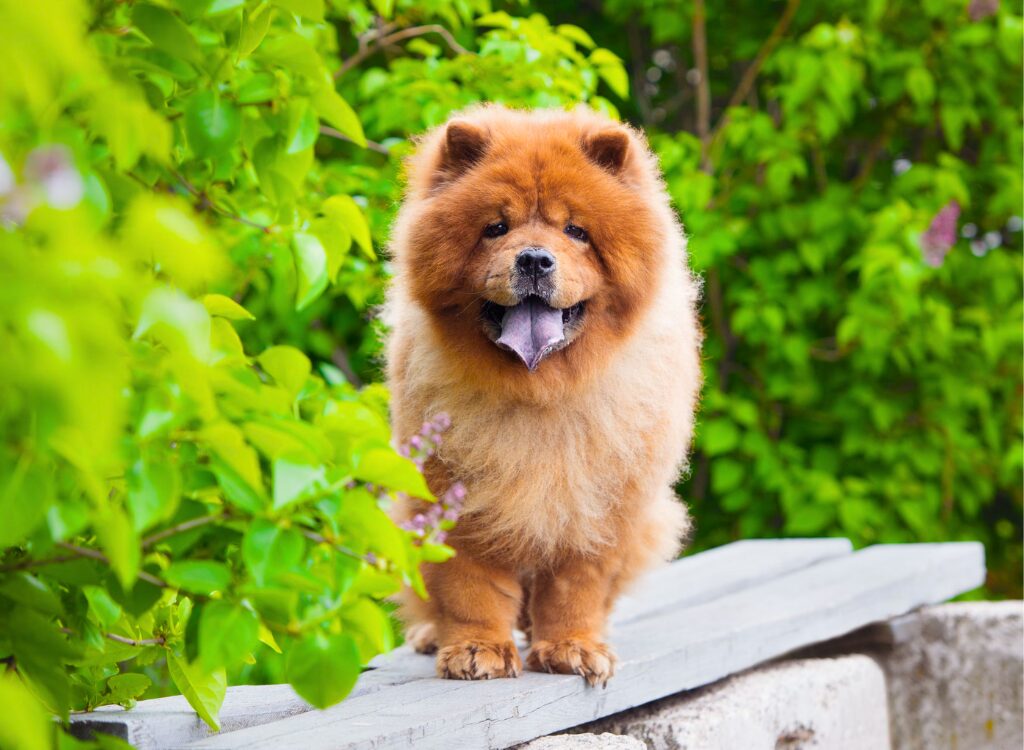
{"type": "Point", "coordinates": [192, 481]}
{"type": "Point", "coordinates": [194, 195]}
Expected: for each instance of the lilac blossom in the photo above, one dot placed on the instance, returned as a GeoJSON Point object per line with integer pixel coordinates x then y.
{"type": "Point", "coordinates": [433, 522]}
{"type": "Point", "coordinates": [981, 9]}
{"type": "Point", "coordinates": [938, 239]}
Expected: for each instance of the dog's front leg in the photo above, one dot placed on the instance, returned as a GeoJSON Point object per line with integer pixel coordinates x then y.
{"type": "Point", "coordinates": [568, 609]}
{"type": "Point", "coordinates": [477, 605]}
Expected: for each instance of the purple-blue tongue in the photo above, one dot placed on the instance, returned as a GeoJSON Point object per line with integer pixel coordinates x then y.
{"type": "Point", "coordinates": [531, 329]}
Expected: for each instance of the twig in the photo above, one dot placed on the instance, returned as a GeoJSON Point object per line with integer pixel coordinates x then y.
{"type": "Point", "coordinates": [746, 83]}
{"type": "Point", "coordinates": [380, 148]}
{"type": "Point", "coordinates": [398, 36]}
{"type": "Point", "coordinates": [140, 642]}
{"type": "Point", "coordinates": [30, 563]}
{"type": "Point", "coordinates": [340, 359]}
{"type": "Point", "coordinates": [205, 202]}
{"type": "Point", "coordinates": [97, 555]}
{"type": "Point", "coordinates": [700, 59]}
{"type": "Point", "coordinates": [192, 523]}
{"type": "Point", "coordinates": [122, 639]}
{"type": "Point", "coordinates": [636, 50]}
{"type": "Point", "coordinates": [320, 539]}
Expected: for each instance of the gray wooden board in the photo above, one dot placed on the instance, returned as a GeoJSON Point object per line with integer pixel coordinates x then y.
{"type": "Point", "coordinates": [168, 722]}
{"type": "Point", "coordinates": [680, 649]}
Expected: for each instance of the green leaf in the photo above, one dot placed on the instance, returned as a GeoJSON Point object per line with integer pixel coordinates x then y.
{"type": "Point", "coordinates": [337, 112]}
{"type": "Point", "coordinates": [203, 690]}
{"type": "Point", "coordinates": [167, 32]}
{"type": "Point", "coordinates": [323, 669]}
{"type": "Point", "coordinates": [311, 9]}
{"type": "Point", "coordinates": [344, 210]}
{"type": "Point", "coordinates": [254, 27]}
{"type": "Point", "coordinates": [212, 124]}
{"type": "Point", "coordinates": [26, 726]}
{"type": "Point", "coordinates": [227, 634]}
{"type": "Point", "coordinates": [30, 591]}
{"type": "Point", "coordinates": [269, 550]}
{"type": "Point", "coordinates": [127, 687]}
{"type": "Point", "coordinates": [198, 576]}
{"type": "Point", "coordinates": [237, 491]}
{"type": "Point", "coordinates": [225, 307]}
{"type": "Point", "coordinates": [154, 489]}
{"type": "Point", "coordinates": [174, 319]}
{"type": "Point", "coordinates": [718, 436]}
{"type": "Point", "coordinates": [19, 517]}
{"type": "Point", "coordinates": [102, 605]}
{"type": "Point", "coordinates": [303, 128]}
{"type": "Point", "coordinates": [294, 480]}
{"type": "Point", "coordinates": [436, 553]}
{"type": "Point", "coordinates": [576, 34]}
{"type": "Point", "coordinates": [120, 542]}
{"type": "Point", "coordinates": [289, 367]}
{"type": "Point", "coordinates": [310, 267]}
{"type": "Point", "coordinates": [385, 467]}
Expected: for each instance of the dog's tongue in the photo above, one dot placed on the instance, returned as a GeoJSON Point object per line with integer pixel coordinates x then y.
{"type": "Point", "coordinates": [531, 329]}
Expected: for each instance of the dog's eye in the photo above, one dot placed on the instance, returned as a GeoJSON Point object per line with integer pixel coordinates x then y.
{"type": "Point", "coordinates": [496, 230]}
{"type": "Point", "coordinates": [577, 233]}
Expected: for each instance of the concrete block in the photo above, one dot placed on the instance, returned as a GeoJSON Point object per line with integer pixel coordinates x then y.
{"type": "Point", "coordinates": [955, 674]}
{"type": "Point", "coordinates": [604, 741]}
{"type": "Point", "coordinates": [813, 703]}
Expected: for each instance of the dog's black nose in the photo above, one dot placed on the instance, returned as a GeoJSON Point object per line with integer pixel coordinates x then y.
{"type": "Point", "coordinates": [535, 262]}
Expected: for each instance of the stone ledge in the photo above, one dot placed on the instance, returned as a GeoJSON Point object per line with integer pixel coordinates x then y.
{"type": "Point", "coordinates": [955, 674]}
{"type": "Point", "coordinates": [834, 703]}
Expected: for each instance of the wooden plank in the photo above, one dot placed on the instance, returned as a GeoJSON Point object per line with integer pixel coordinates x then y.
{"type": "Point", "coordinates": [677, 650]}
{"type": "Point", "coordinates": [701, 577]}
{"type": "Point", "coordinates": [166, 722]}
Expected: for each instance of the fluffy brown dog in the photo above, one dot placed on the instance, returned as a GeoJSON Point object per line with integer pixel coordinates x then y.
{"type": "Point", "coordinates": [542, 299]}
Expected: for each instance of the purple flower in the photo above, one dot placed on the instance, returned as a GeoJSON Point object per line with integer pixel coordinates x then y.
{"type": "Point", "coordinates": [416, 442]}
{"type": "Point", "coordinates": [52, 168]}
{"type": "Point", "coordinates": [6, 177]}
{"type": "Point", "coordinates": [940, 235]}
{"type": "Point", "coordinates": [979, 10]}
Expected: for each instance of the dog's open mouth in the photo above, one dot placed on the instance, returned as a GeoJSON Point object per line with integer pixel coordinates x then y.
{"type": "Point", "coordinates": [531, 329]}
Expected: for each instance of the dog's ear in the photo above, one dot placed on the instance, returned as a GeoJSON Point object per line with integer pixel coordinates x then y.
{"type": "Point", "coordinates": [608, 149]}
{"type": "Point", "coordinates": [464, 145]}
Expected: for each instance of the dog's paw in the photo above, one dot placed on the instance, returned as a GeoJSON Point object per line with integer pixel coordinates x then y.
{"type": "Point", "coordinates": [591, 660]}
{"type": "Point", "coordinates": [422, 636]}
{"type": "Point", "coordinates": [479, 660]}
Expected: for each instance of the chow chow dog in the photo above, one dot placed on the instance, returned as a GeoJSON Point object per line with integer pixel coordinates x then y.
{"type": "Point", "coordinates": [542, 299]}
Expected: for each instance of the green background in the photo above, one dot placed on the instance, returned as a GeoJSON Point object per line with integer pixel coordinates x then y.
{"type": "Point", "coordinates": [195, 198]}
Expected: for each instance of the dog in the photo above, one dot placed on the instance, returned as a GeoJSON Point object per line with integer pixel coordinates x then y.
{"type": "Point", "coordinates": [542, 298]}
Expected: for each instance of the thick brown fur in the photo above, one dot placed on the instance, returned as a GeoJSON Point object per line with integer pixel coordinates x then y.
{"type": "Point", "coordinates": [568, 469]}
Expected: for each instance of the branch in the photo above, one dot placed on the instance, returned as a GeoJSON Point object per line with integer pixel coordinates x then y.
{"type": "Point", "coordinates": [700, 59]}
{"type": "Point", "coordinates": [399, 36]}
{"type": "Point", "coordinates": [205, 202]}
{"type": "Point", "coordinates": [141, 642]}
{"type": "Point", "coordinates": [97, 555]}
{"type": "Point", "coordinates": [158, 641]}
{"type": "Point", "coordinates": [320, 539]}
{"type": "Point", "coordinates": [30, 563]}
{"type": "Point", "coordinates": [746, 84]}
{"type": "Point", "coordinates": [380, 148]}
{"type": "Point", "coordinates": [750, 75]}
{"type": "Point", "coordinates": [182, 527]}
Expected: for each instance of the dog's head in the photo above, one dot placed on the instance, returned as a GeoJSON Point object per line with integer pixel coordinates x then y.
{"type": "Point", "coordinates": [533, 239]}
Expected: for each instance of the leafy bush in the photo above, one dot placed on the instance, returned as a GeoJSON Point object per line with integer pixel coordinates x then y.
{"type": "Point", "coordinates": [194, 194]}
{"type": "Point", "coordinates": [864, 336]}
